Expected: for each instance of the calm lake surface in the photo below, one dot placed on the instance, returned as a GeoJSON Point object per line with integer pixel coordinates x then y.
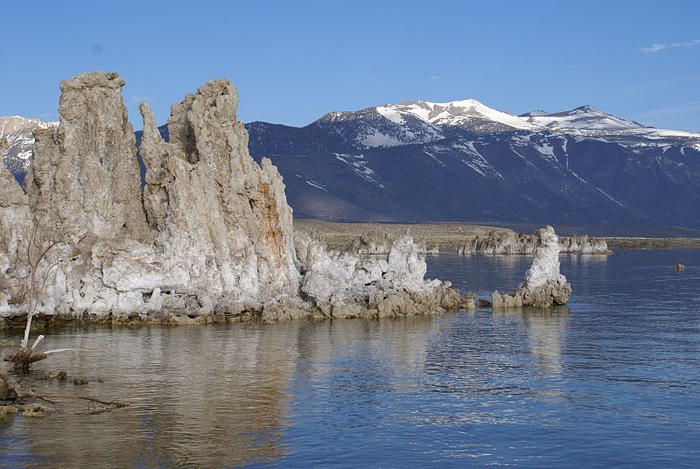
{"type": "Point", "coordinates": [612, 380]}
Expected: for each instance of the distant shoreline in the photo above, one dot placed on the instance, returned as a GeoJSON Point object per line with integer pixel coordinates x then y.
{"type": "Point", "coordinates": [618, 243]}
{"type": "Point", "coordinates": [447, 236]}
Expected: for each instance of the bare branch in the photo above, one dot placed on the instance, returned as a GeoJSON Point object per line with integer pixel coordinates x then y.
{"type": "Point", "coordinates": [36, 253]}
{"type": "Point", "coordinates": [59, 350]}
{"type": "Point", "coordinates": [91, 399]}
{"type": "Point", "coordinates": [36, 342]}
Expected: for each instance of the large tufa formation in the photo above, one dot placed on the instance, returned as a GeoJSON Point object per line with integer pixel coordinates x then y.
{"type": "Point", "coordinates": [85, 201]}
{"type": "Point", "coordinates": [210, 238]}
{"type": "Point", "coordinates": [84, 177]}
{"type": "Point", "coordinates": [220, 218]}
{"type": "Point", "coordinates": [544, 286]}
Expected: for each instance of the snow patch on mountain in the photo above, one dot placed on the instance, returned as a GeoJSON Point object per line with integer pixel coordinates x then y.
{"type": "Point", "coordinates": [392, 114]}
{"type": "Point", "coordinates": [359, 167]}
{"type": "Point", "coordinates": [317, 185]}
{"type": "Point", "coordinates": [471, 157]}
{"type": "Point", "coordinates": [377, 139]}
{"type": "Point", "coordinates": [608, 196]}
{"type": "Point", "coordinates": [434, 157]}
{"type": "Point", "coordinates": [546, 150]}
{"type": "Point", "coordinates": [536, 142]}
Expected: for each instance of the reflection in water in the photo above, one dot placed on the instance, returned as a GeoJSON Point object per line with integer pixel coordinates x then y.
{"type": "Point", "coordinates": [215, 395]}
{"type": "Point", "coordinates": [198, 396]}
{"type": "Point", "coordinates": [546, 331]}
{"type": "Point", "coordinates": [516, 387]}
{"type": "Point", "coordinates": [592, 258]}
{"type": "Point", "coordinates": [398, 343]}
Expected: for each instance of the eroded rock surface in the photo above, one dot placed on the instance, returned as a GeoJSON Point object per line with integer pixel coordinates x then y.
{"type": "Point", "coordinates": [210, 238]}
{"type": "Point", "coordinates": [373, 285]}
{"type": "Point", "coordinates": [220, 217]}
{"type": "Point", "coordinates": [84, 177]}
{"type": "Point", "coordinates": [544, 286]}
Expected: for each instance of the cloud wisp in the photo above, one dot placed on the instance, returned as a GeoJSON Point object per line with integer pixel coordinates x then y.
{"type": "Point", "coordinates": [654, 48]}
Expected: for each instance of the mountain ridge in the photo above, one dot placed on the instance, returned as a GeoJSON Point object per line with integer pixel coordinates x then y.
{"type": "Point", "coordinates": [456, 161]}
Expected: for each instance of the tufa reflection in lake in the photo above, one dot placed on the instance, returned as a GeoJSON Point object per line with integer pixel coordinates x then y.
{"type": "Point", "coordinates": [612, 381]}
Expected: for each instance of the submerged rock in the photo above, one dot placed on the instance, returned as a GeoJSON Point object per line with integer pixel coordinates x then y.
{"type": "Point", "coordinates": [9, 390]}
{"type": "Point", "coordinates": [544, 286]}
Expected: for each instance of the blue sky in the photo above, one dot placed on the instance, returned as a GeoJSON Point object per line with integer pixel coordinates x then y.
{"type": "Point", "coordinates": [293, 61]}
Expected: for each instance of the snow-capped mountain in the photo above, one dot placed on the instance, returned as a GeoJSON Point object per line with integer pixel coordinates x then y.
{"type": "Point", "coordinates": [419, 122]}
{"type": "Point", "coordinates": [18, 132]}
{"type": "Point", "coordinates": [422, 161]}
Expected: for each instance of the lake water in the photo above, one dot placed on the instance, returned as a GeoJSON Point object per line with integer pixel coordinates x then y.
{"type": "Point", "coordinates": [612, 380]}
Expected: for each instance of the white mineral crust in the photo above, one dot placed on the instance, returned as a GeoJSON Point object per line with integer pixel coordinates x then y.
{"type": "Point", "coordinates": [210, 235]}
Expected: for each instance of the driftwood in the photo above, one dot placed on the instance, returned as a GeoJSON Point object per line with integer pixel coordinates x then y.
{"type": "Point", "coordinates": [24, 359]}
{"type": "Point", "coordinates": [101, 407]}
{"type": "Point", "coordinates": [48, 397]}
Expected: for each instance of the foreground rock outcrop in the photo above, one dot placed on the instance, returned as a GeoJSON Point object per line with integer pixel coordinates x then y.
{"type": "Point", "coordinates": [544, 286]}
{"type": "Point", "coordinates": [223, 222]}
{"type": "Point", "coordinates": [210, 238]}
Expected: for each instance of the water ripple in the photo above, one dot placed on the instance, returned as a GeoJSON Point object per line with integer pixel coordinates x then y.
{"type": "Point", "coordinates": [611, 381]}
